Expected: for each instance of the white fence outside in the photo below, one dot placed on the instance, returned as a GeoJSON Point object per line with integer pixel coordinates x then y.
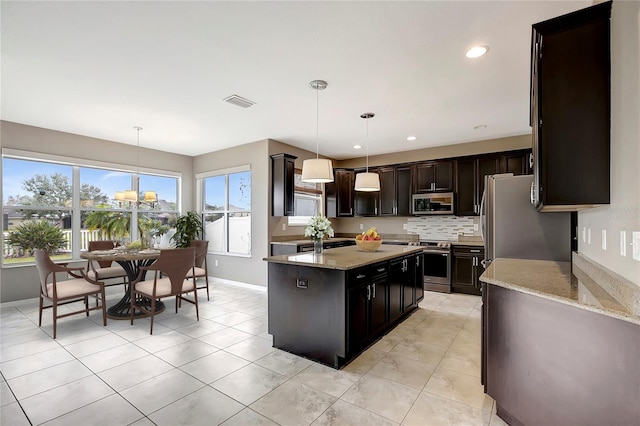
{"type": "Point", "coordinates": [85, 236]}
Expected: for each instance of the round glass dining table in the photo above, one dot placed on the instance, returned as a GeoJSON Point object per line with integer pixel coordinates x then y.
{"type": "Point", "coordinates": [131, 261]}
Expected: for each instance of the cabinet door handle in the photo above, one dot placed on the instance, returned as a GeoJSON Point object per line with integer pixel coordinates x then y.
{"type": "Point", "coordinates": [368, 292]}
{"type": "Point", "coordinates": [531, 160]}
{"type": "Point", "coordinates": [474, 251]}
{"type": "Point", "coordinates": [473, 261]}
{"type": "Point", "coordinates": [417, 261]}
{"type": "Point", "coordinates": [380, 269]}
{"type": "Point", "coordinates": [359, 276]}
{"type": "Point", "coordinates": [374, 290]}
{"type": "Point", "coordinates": [350, 210]}
{"type": "Point", "coordinates": [444, 254]}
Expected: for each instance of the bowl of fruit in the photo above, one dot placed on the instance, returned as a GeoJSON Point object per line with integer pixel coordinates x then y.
{"type": "Point", "coordinates": [369, 240]}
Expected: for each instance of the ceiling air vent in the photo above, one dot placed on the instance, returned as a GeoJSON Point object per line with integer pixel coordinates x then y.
{"type": "Point", "coordinates": [239, 101]}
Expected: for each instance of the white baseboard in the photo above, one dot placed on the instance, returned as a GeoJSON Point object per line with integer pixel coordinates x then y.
{"type": "Point", "coordinates": [239, 284]}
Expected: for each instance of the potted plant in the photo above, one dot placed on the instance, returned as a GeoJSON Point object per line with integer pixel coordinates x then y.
{"type": "Point", "coordinates": [37, 234]}
{"type": "Point", "coordinates": [188, 228]}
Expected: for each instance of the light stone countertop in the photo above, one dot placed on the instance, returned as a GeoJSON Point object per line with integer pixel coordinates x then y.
{"type": "Point", "coordinates": [344, 258]}
{"type": "Point", "coordinates": [308, 241]}
{"type": "Point", "coordinates": [555, 281]}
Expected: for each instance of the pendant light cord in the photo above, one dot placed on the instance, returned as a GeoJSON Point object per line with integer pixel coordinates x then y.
{"type": "Point", "coordinates": [367, 169]}
{"type": "Point", "coordinates": [317, 120]}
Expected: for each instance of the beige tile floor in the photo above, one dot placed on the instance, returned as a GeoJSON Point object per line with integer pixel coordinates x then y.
{"type": "Point", "coordinates": [223, 370]}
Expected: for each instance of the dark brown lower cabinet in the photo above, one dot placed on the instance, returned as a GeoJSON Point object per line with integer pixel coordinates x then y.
{"type": "Point", "coordinates": [467, 268]}
{"type": "Point", "coordinates": [550, 363]}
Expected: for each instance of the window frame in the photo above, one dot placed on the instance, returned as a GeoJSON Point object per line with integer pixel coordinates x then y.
{"type": "Point", "coordinates": [226, 212]}
{"type": "Point", "coordinates": [76, 210]}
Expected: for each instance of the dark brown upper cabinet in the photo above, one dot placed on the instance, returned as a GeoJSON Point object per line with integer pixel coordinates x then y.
{"type": "Point", "coordinates": [365, 202]}
{"type": "Point", "coordinates": [571, 110]}
{"type": "Point", "coordinates": [339, 194]}
{"type": "Point", "coordinates": [433, 176]}
{"type": "Point", "coordinates": [282, 184]}
{"type": "Point", "coordinates": [395, 190]}
{"type": "Point", "coordinates": [471, 172]}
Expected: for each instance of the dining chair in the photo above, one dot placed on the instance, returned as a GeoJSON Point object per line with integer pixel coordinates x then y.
{"type": "Point", "coordinates": [63, 292]}
{"type": "Point", "coordinates": [201, 270]}
{"type": "Point", "coordinates": [105, 269]}
{"type": "Point", "coordinates": [169, 279]}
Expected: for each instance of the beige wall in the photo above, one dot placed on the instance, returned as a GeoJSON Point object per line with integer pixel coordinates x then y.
{"type": "Point", "coordinates": [623, 214]}
{"type": "Point", "coordinates": [21, 282]}
{"type": "Point", "coordinates": [469, 148]}
{"type": "Point", "coordinates": [251, 270]}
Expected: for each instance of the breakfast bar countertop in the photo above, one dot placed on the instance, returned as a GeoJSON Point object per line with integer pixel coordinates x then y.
{"type": "Point", "coordinates": [556, 281]}
{"type": "Point", "coordinates": [344, 258]}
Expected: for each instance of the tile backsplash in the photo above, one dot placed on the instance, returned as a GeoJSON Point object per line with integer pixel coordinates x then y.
{"type": "Point", "coordinates": [442, 227]}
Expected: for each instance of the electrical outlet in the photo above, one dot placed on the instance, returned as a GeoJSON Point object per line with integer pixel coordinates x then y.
{"type": "Point", "coordinates": [475, 226]}
{"type": "Point", "coordinates": [404, 226]}
{"type": "Point", "coordinates": [589, 236]}
{"type": "Point", "coordinates": [284, 226]}
{"type": "Point", "coordinates": [216, 262]}
{"type": "Point", "coordinates": [604, 239]}
{"type": "Point", "coordinates": [362, 226]}
{"type": "Point", "coordinates": [623, 243]}
{"type": "Point", "coordinates": [635, 242]}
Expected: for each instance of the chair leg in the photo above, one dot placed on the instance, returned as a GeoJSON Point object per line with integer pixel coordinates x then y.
{"type": "Point", "coordinates": [206, 280]}
{"type": "Point", "coordinates": [153, 313]}
{"type": "Point", "coordinates": [54, 308]}
{"type": "Point", "coordinates": [40, 313]}
{"type": "Point", "coordinates": [104, 308]}
{"type": "Point", "coordinates": [195, 300]}
{"type": "Point", "coordinates": [132, 309]}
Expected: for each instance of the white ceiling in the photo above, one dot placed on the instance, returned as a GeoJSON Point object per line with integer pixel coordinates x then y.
{"type": "Point", "coordinates": [100, 68]}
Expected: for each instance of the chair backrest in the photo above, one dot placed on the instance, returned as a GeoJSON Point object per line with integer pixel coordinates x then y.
{"type": "Point", "coordinates": [101, 245]}
{"type": "Point", "coordinates": [201, 247]}
{"type": "Point", "coordinates": [45, 266]}
{"type": "Point", "coordinates": [175, 264]}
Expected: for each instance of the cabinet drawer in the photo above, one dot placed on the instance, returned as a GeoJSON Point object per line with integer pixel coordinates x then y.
{"type": "Point", "coordinates": [468, 251]}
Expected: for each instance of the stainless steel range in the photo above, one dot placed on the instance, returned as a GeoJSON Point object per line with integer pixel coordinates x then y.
{"type": "Point", "coordinates": [437, 266]}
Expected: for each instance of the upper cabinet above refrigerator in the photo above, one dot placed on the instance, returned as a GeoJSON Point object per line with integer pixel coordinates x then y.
{"type": "Point", "coordinates": [571, 110]}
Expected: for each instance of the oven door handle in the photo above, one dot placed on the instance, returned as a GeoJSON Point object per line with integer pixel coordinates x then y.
{"type": "Point", "coordinates": [444, 253]}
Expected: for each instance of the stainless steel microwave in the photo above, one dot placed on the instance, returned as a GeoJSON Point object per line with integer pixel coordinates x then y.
{"type": "Point", "coordinates": [433, 203]}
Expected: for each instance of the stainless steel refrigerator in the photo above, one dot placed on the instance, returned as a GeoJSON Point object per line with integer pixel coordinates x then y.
{"type": "Point", "coordinates": [513, 228]}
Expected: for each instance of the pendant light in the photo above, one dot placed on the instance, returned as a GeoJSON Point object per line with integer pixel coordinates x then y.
{"type": "Point", "coordinates": [367, 182]}
{"type": "Point", "coordinates": [317, 170]}
{"type": "Point", "coordinates": [131, 195]}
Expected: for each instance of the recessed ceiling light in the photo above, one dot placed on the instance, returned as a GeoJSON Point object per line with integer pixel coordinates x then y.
{"type": "Point", "coordinates": [411, 138]}
{"type": "Point", "coordinates": [477, 51]}
{"type": "Point", "coordinates": [480, 126]}
{"type": "Point", "coordinates": [357, 146]}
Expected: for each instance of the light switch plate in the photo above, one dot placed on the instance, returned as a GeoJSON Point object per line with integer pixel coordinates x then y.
{"type": "Point", "coordinates": [635, 242]}
{"type": "Point", "coordinates": [589, 236]}
{"type": "Point", "coordinates": [604, 239]}
{"type": "Point", "coordinates": [362, 226]}
{"type": "Point", "coordinates": [284, 226]}
{"type": "Point", "coordinates": [404, 226]}
{"type": "Point", "coordinates": [623, 243]}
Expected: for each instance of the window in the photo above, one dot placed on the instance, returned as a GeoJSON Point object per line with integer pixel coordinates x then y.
{"type": "Point", "coordinates": [62, 192]}
{"type": "Point", "coordinates": [307, 200]}
{"type": "Point", "coordinates": [226, 210]}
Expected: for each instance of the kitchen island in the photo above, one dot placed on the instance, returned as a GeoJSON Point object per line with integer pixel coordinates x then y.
{"type": "Point", "coordinates": [330, 307]}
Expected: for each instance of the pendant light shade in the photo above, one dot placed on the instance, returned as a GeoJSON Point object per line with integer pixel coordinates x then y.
{"type": "Point", "coordinates": [367, 182]}
{"type": "Point", "coordinates": [317, 170]}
